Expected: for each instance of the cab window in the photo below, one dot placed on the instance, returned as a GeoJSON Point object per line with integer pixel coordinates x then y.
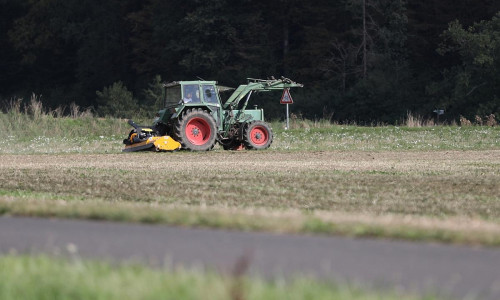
{"type": "Point", "coordinates": [191, 93]}
{"type": "Point", "coordinates": [173, 96]}
{"type": "Point", "coordinates": [209, 94]}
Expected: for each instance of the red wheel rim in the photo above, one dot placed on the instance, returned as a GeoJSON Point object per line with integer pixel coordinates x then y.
{"type": "Point", "coordinates": [259, 135]}
{"type": "Point", "coordinates": [198, 131]}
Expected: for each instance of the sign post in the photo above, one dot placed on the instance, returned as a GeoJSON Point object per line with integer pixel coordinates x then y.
{"type": "Point", "coordinates": [286, 98]}
{"type": "Point", "coordinates": [287, 119]}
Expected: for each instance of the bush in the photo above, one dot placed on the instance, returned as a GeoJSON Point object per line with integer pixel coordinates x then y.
{"type": "Point", "coordinates": [117, 101]}
{"type": "Point", "coordinates": [153, 95]}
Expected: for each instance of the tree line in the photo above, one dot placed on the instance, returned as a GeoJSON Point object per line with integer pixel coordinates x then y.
{"type": "Point", "coordinates": [360, 60]}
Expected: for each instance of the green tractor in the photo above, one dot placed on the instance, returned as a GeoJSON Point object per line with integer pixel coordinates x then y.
{"type": "Point", "coordinates": [195, 118]}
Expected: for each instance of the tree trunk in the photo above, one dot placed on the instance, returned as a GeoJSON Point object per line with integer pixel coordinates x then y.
{"type": "Point", "coordinates": [364, 38]}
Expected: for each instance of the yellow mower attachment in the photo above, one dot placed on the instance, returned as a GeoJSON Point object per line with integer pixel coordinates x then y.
{"type": "Point", "coordinates": [144, 138]}
{"type": "Point", "coordinates": [160, 143]}
{"type": "Point", "coordinates": [166, 143]}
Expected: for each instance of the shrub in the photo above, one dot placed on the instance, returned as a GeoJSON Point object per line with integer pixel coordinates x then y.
{"type": "Point", "coordinates": [117, 101]}
{"type": "Point", "coordinates": [491, 120]}
{"type": "Point", "coordinates": [464, 121]}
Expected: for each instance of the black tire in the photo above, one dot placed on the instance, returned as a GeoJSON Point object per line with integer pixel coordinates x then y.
{"type": "Point", "coordinates": [196, 130]}
{"type": "Point", "coordinates": [257, 135]}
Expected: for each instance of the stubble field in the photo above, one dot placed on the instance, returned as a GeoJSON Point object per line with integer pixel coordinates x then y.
{"type": "Point", "coordinates": [447, 196]}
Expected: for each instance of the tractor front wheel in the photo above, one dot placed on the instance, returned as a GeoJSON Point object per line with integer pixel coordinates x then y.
{"type": "Point", "coordinates": [196, 130]}
{"type": "Point", "coordinates": [257, 135]}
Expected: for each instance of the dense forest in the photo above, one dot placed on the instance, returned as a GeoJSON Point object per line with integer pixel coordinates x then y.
{"type": "Point", "coordinates": [366, 61]}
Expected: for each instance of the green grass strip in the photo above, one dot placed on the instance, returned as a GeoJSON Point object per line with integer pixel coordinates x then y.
{"type": "Point", "coordinates": [48, 278]}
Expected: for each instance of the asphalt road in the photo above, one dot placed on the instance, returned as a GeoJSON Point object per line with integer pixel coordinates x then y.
{"type": "Point", "coordinates": [455, 270]}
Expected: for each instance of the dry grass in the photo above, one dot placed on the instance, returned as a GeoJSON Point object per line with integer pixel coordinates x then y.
{"type": "Point", "coordinates": [441, 195]}
{"type": "Point", "coordinates": [413, 121]}
{"type": "Point", "coordinates": [31, 128]}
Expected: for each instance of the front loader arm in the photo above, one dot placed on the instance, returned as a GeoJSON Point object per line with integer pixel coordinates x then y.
{"type": "Point", "coordinates": [258, 85]}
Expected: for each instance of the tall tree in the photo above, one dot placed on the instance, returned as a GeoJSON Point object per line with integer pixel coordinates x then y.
{"type": "Point", "coordinates": [474, 84]}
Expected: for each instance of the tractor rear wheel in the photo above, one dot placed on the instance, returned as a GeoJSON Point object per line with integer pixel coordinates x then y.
{"type": "Point", "coordinates": [196, 130]}
{"type": "Point", "coordinates": [257, 135]}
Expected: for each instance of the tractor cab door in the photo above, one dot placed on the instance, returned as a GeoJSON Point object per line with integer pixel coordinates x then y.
{"type": "Point", "coordinates": [191, 94]}
{"type": "Point", "coordinates": [211, 99]}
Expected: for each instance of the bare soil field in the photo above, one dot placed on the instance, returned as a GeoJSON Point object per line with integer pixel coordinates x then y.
{"type": "Point", "coordinates": [447, 196]}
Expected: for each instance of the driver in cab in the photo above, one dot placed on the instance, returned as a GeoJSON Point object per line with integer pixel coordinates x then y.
{"type": "Point", "coordinates": [188, 98]}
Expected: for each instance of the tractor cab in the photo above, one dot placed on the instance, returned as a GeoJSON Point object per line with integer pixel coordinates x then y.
{"type": "Point", "coordinates": [191, 93]}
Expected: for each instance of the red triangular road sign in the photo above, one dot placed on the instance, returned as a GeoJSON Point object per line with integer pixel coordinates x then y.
{"type": "Point", "coordinates": [286, 98]}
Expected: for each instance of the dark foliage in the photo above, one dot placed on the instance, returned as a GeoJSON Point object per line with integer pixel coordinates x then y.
{"type": "Point", "coordinates": [360, 60]}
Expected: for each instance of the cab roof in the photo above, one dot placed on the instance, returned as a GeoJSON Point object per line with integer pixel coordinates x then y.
{"type": "Point", "coordinates": [175, 83]}
{"type": "Point", "coordinates": [198, 82]}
